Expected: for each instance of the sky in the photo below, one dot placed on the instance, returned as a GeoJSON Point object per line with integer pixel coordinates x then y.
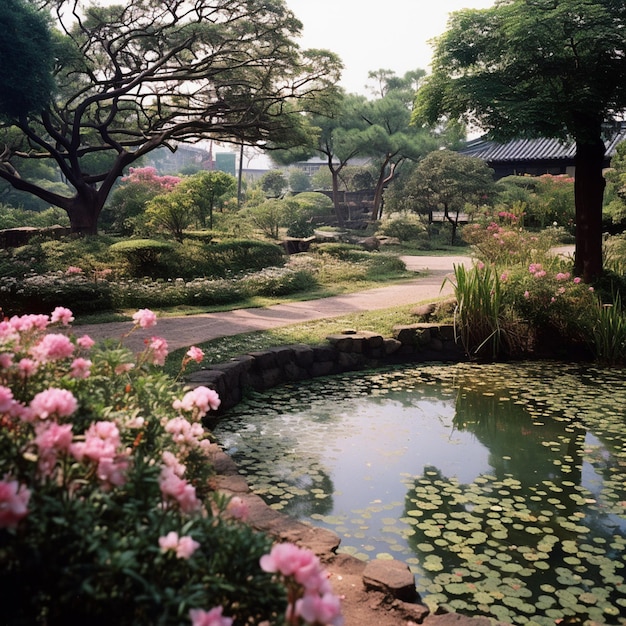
{"type": "Point", "coordinates": [369, 35]}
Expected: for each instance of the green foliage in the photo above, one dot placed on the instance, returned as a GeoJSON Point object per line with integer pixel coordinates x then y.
{"type": "Point", "coordinates": [239, 255]}
{"type": "Point", "coordinates": [26, 60]}
{"type": "Point", "coordinates": [273, 183]}
{"type": "Point", "coordinates": [298, 180]}
{"type": "Point", "coordinates": [404, 226]}
{"type": "Point", "coordinates": [143, 257]}
{"type": "Point", "coordinates": [609, 332]}
{"type": "Point", "coordinates": [268, 216]}
{"type": "Point", "coordinates": [170, 214]}
{"type": "Point", "coordinates": [87, 546]}
{"type": "Point", "coordinates": [478, 315]}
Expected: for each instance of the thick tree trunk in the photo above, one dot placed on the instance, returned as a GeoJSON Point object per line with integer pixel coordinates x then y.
{"type": "Point", "coordinates": [84, 211]}
{"type": "Point", "coordinates": [338, 211]}
{"type": "Point", "coordinates": [589, 191]}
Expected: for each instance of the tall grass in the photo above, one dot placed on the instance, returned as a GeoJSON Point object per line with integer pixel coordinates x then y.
{"type": "Point", "coordinates": [478, 313]}
{"type": "Point", "coordinates": [609, 332]}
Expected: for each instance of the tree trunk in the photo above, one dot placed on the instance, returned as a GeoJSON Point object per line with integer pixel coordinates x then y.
{"type": "Point", "coordinates": [338, 211]}
{"type": "Point", "coordinates": [84, 211]}
{"type": "Point", "coordinates": [589, 186]}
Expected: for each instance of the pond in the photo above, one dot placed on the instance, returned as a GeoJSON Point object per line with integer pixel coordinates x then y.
{"type": "Point", "coordinates": [503, 487]}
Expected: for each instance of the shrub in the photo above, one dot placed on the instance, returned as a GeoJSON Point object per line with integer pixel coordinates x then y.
{"type": "Point", "coordinates": [279, 281]}
{"type": "Point", "coordinates": [240, 255]}
{"type": "Point", "coordinates": [143, 257]}
{"type": "Point", "coordinates": [405, 226]}
{"type": "Point", "coordinates": [97, 477]}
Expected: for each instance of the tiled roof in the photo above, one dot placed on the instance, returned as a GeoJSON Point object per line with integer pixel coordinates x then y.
{"type": "Point", "coordinates": [532, 149]}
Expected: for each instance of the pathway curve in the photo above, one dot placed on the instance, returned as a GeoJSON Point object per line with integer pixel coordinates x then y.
{"type": "Point", "coordinates": [185, 331]}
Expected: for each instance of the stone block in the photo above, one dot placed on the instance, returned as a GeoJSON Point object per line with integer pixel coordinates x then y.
{"type": "Point", "coordinates": [322, 368]}
{"type": "Point", "coordinates": [391, 577]}
{"type": "Point", "coordinates": [303, 355]}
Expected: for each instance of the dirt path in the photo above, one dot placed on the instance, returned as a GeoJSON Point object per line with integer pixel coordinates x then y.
{"type": "Point", "coordinates": [181, 332]}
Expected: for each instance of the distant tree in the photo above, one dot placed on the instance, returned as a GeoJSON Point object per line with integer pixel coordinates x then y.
{"type": "Point", "coordinates": [170, 213]}
{"type": "Point", "coordinates": [615, 199]}
{"type": "Point", "coordinates": [448, 181]}
{"type": "Point", "coordinates": [392, 140]}
{"type": "Point", "coordinates": [298, 180]}
{"type": "Point", "coordinates": [274, 183]}
{"type": "Point", "coordinates": [538, 68]}
{"type": "Point", "coordinates": [206, 191]}
{"type": "Point", "coordinates": [140, 74]}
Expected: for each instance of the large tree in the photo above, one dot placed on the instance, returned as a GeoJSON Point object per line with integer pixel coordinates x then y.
{"type": "Point", "coordinates": [532, 68]}
{"type": "Point", "coordinates": [391, 140]}
{"type": "Point", "coordinates": [143, 74]}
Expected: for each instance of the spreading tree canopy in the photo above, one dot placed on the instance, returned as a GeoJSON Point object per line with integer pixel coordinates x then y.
{"type": "Point", "coordinates": [132, 77]}
{"type": "Point", "coordinates": [531, 68]}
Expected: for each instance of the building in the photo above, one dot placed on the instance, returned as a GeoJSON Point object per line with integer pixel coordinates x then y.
{"type": "Point", "coordinates": [535, 156]}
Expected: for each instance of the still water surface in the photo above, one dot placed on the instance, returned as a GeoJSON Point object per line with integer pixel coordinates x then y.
{"type": "Point", "coordinates": [503, 486]}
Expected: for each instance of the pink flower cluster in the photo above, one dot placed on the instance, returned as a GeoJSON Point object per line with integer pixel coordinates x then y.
{"type": "Point", "coordinates": [198, 401]}
{"type": "Point", "coordinates": [13, 502]}
{"type": "Point", "coordinates": [177, 490]}
{"type": "Point", "coordinates": [145, 318]}
{"type": "Point", "coordinates": [317, 603]}
{"type": "Point", "coordinates": [102, 446]}
{"type": "Point", "coordinates": [184, 547]}
{"type": "Point", "coordinates": [536, 269]}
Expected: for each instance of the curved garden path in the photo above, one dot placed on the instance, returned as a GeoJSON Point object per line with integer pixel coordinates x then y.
{"type": "Point", "coordinates": [185, 331]}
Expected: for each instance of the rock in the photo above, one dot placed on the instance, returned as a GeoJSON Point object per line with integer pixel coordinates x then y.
{"type": "Point", "coordinates": [392, 577]}
{"type": "Point", "coordinates": [424, 311]}
{"type": "Point", "coordinates": [370, 243]}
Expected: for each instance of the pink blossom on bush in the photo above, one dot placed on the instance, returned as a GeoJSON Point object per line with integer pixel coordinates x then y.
{"type": "Point", "coordinates": [504, 276]}
{"type": "Point", "coordinates": [26, 323]}
{"type": "Point", "coordinates": [320, 609]}
{"type": "Point", "coordinates": [13, 502]}
{"type": "Point", "coordinates": [62, 315]}
{"type": "Point", "coordinates": [6, 360]}
{"type": "Point", "coordinates": [27, 367]}
{"type": "Point", "coordinates": [171, 460]}
{"type": "Point", "coordinates": [175, 488]}
{"type": "Point", "coordinates": [184, 432]}
{"type": "Point", "coordinates": [73, 269]}
{"type": "Point", "coordinates": [195, 354]}
{"type": "Point", "coordinates": [80, 368]}
{"type": "Point", "coordinates": [540, 274]}
{"type": "Point", "coordinates": [85, 342]}
{"type": "Point", "coordinates": [186, 547]}
{"type": "Point", "coordinates": [6, 399]}
{"type": "Point", "coordinates": [53, 401]}
{"type": "Point", "coordinates": [561, 276]}
{"type": "Point", "coordinates": [145, 318]}
{"type": "Point", "coordinates": [238, 508]}
{"type": "Point", "coordinates": [52, 347]}
{"type": "Point", "coordinates": [213, 617]}
{"type": "Point", "coordinates": [577, 280]}
{"type": "Point", "coordinates": [168, 542]}
{"type": "Point", "coordinates": [527, 294]}
{"type": "Point", "coordinates": [122, 368]}
{"type": "Point", "coordinates": [112, 470]}
{"type": "Point", "coordinates": [201, 399]}
{"type": "Point", "coordinates": [52, 438]}
{"type": "Point", "coordinates": [158, 350]}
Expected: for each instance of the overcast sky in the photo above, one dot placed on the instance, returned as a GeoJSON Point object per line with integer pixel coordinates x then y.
{"type": "Point", "coordinates": [370, 35]}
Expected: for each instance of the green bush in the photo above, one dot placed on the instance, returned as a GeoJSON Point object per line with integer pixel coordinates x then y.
{"type": "Point", "coordinates": [278, 281]}
{"type": "Point", "coordinates": [242, 255]}
{"type": "Point", "coordinates": [405, 226]}
{"type": "Point", "coordinates": [143, 257]}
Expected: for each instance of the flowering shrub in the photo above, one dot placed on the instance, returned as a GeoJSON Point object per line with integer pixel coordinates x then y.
{"type": "Point", "coordinates": [106, 510]}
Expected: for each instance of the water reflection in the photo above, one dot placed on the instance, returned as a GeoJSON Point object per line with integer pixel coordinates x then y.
{"type": "Point", "coordinates": [481, 473]}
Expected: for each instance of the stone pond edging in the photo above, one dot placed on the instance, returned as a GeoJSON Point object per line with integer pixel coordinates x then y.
{"type": "Point", "coordinates": [345, 352]}
{"type": "Point", "coordinates": [381, 592]}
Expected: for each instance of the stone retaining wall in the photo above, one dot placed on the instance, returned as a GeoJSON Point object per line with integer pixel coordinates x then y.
{"type": "Point", "coordinates": [346, 352]}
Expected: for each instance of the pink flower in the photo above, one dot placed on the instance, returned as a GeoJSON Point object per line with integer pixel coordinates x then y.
{"type": "Point", "coordinates": [504, 277]}
{"type": "Point", "coordinates": [145, 318]}
{"type": "Point", "coordinates": [72, 269]}
{"type": "Point", "coordinates": [320, 609]}
{"type": "Point", "coordinates": [540, 274]}
{"type": "Point", "coordinates": [6, 360]}
{"type": "Point", "coordinates": [591, 289]}
{"type": "Point", "coordinates": [168, 542]}
{"type": "Point", "coordinates": [112, 470]}
{"type": "Point", "coordinates": [53, 401]}
{"type": "Point", "coordinates": [577, 280]}
{"type": "Point", "coordinates": [81, 368]}
{"type": "Point", "coordinates": [238, 508]}
{"type": "Point", "coordinates": [175, 488]}
{"type": "Point", "coordinates": [158, 350]}
{"type": "Point", "coordinates": [213, 617]}
{"type": "Point", "coordinates": [52, 347]}
{"type": "Point", "coordinates": [122, 368]}
{"type": "Point", "coordinates": [201, 399]}
{"type": "Point", "coordinates": [63, 315]}
{"type": "Point", "coordinates": [562, 276]}
{"type": "Point", "coordinates": [6, 399]}
{"type": "Point", "coordinates": [27, 367]}
{"type": "Point", "coordinates": [26, 323]}
{"type": "Point", "coordinates": [13, 502]}
{"type": "Point", "coordinates": [184, 432]}
{"type": "Point", "coordinates": [85, 342]}
{"type": "Point", "coordinates": [186, 547]}
{"type": "Point", "coordinates": [53, 436]}
{"type": "Point", "coordinates": [195, 354]}
{"type": "Point", "coordinates": [534, 267]}
{"type": "Point", "coordinates": [527, 294]}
